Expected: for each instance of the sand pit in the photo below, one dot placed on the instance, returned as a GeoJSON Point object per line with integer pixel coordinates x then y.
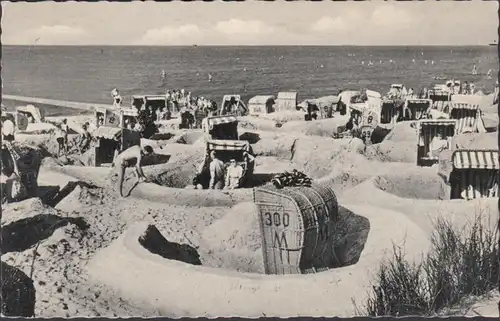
{"type": "Point", "coordinates": [235, 290]}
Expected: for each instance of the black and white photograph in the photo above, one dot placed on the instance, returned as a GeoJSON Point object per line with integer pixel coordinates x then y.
{"type": "Point", "coordinates": [249, 159]}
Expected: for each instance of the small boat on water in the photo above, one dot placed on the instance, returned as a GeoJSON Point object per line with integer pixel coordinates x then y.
{"type": "Point", "coordinates": [494, 43]}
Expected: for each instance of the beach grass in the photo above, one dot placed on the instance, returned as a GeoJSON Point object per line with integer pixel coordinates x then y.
{"type": "Point", "coordinates": [460, 264]}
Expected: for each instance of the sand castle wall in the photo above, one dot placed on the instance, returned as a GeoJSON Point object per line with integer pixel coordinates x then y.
{"type": "Point", "coordinates": [183, 289]}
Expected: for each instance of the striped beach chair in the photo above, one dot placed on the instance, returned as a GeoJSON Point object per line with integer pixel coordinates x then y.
{"type": "Point", "coordinates": [468, 116]}
{"type": "Point", "coordinates": [427, 130]}
{"type": "Point", "coordinates": [221, 127]}
{"type": "Point", "coordinates": [418, 108]}
{"type": "Point", "coordinates": [474, 174]}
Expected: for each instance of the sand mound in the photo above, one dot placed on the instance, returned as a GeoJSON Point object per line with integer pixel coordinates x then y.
{"type": "Point", "coordinates": [343, 180]}
{"type": "Point", "coordinates": [76, 195]}
{"type": "Point", "coordinates": [284, 116]}
{"type": "Point", "coordinates": [476, 141]}
{"type": "Point", "coordinates": [403, 132]}
{"type": "Point", "coordinates": [319, 156]}
{"type": "Point", "coordinates": [280, 146]}
{"type": "Point", "coordinates": [237, 229]}
{"type": "Point", "coordinates": [187, 137]}
{"type": "Point", "coordinates": [391, 151]}
{"type": "Point", "coordinates": [490, 120]}
{"type": "Point", "coordinates": [416, 184]}
{"type": "Point", "coordinates": [25, 209]}
{"type": "Point", "coordinates": [256, 123]}
{"type": "Point", "coordinates": [322, 127]}
{"type": "Point", "coordinates": [127, 259]}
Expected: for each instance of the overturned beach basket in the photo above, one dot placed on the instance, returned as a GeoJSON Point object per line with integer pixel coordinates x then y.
{"type": "Point", "coordinates": [418, 108]}
{"type": "Point", "coordinates": [297, 227]}
{"type": "Point", "coordinates": [261, 105]}
{"type": "Point", "coordinates": [472, 174]}
{"type": "Point", "coordinates": [468, 116]}
{"type": "Point", "coordinates": [427, 130]}
{"type": "Point", "coordinates": [286, 101]}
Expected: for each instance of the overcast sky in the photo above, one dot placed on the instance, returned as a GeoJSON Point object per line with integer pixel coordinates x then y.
{"type": "Point", "coordinates": [251, 23]}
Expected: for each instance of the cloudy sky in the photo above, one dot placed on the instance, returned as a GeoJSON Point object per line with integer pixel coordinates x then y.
{"type": "Point", "coordinates": [251, 23]}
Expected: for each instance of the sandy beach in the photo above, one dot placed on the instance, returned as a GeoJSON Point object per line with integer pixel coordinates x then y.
{"type": "Point", "coordinates": [80, 265]}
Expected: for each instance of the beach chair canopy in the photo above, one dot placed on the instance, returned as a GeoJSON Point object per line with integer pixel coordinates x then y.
{"type": "Point", "coordinates": [155, 97]}
{"type": "Point", "coordinates": [261, 100]}
{"type": "Point", "coordinates": [468, 116]}
{"type": "Point", "coordinates": [33, 111]}
{"type": "Point", "coordinates": [129, 112]}
{"type": "Point", "coordinates": [210, 123]}
{"type": "Point", "coordinates": [287, 95]}
{"type": "Point", "coordinates": [475, 159]}
{"type": "Point", "coordinates": [373, 94]}
{"type": "Point", "coordinates": [107, 132]}
{"type": "Point", "coordinates": [397, 86]}
{"type": "Point", "coordinates": [228, 145]}
{"type": "Point", "coordinates": [101, 110]}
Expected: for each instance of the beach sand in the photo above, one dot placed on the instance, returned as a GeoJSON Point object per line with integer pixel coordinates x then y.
{"type": "Point", "coordinates": [93, 264]}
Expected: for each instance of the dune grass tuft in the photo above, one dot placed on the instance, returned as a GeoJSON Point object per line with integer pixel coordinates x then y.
{"type": "Point", "coordinates": [460, 263]}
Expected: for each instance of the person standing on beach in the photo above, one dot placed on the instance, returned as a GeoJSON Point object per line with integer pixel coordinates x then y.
{"type": "Point", "coordinates": [474, 70]}
{"type": "Point", "coordinates": [65, 130]}
{"type": "Point", "coordinates": [59, 133]}
{"type": "Point", "coordinates": [472, 88]}
{"type": "Point", "coordinates": [233, 175]}
{"type": "Point", "coordinates": [85, 139]}
{"type": "Point", "coordinates": [131, 157]}
{"type": "Point", "coordinates": [216, 172]}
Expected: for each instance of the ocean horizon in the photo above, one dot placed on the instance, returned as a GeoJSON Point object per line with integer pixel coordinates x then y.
{"type": "Point", "coordinates": [89, 73]}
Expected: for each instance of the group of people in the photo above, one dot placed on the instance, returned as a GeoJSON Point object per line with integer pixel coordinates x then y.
{"type": "Point", "coordinates": [82, 143]}
{"type": "Point", "coordinates": [457, 88]}
{"type": "Point", "coordinates": [222, 176]}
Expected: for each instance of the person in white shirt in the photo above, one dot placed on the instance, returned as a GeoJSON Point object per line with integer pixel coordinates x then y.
{"type": "Point", "coordinates": [137, 127]}
{"type": "Point", "coordinates": [472, 88]}
{"type": "Point", "coordinates": [233, 175]}
{"type": "Point", "coordinates": [8, 129]}
{"type": "Point", "coordinates": [117, 99]}
{"type": "Point", "coordinates": [438, 144]}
